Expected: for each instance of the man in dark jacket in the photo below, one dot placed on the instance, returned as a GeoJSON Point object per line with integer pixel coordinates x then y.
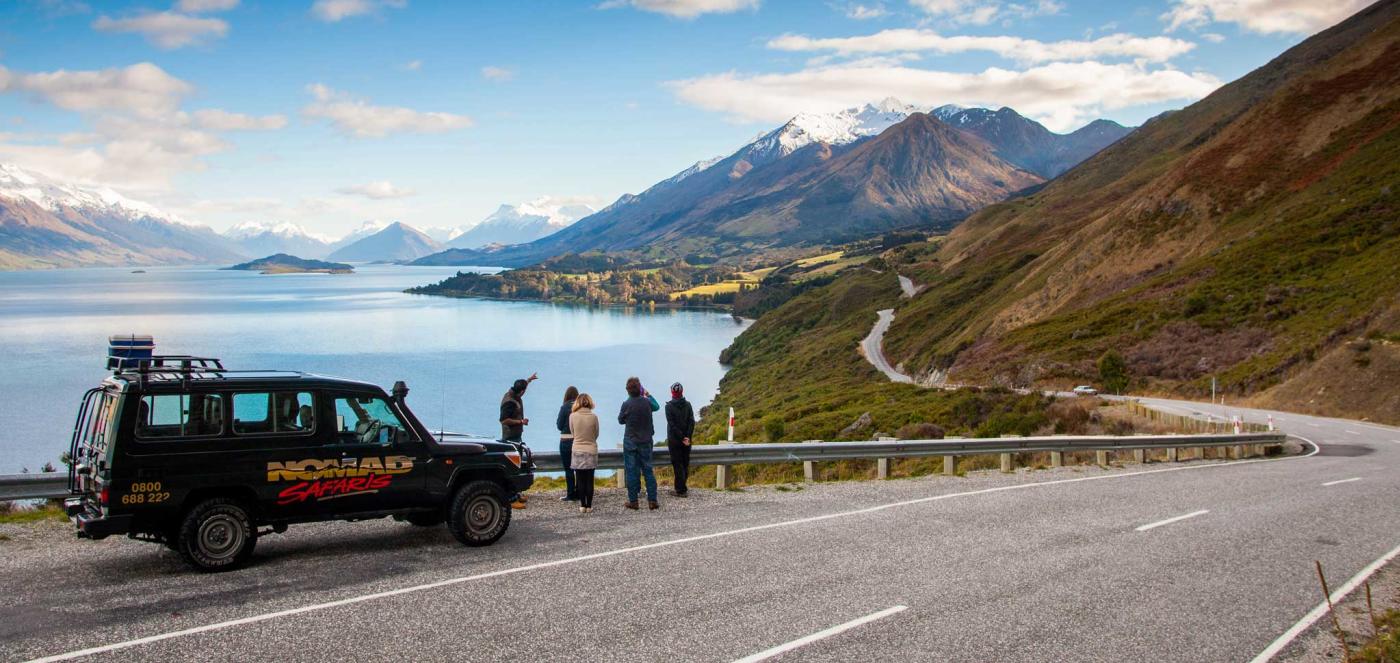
{"type": "Point", "coordinates": [637, 434]}
{"type": "Point", "coordinates": [566, 443]}
{"type": "Point", "coordinates": [513, 421]}
{"type": "Point", "coordinates": [680, 425]}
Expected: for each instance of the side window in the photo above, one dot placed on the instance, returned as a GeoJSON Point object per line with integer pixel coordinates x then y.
{"type": "Point", "coordinates": [364, 420]}
{"type": "Point", "coordinates": [179, 415]}
{"type": "Point", "coordinates": [287, 412]}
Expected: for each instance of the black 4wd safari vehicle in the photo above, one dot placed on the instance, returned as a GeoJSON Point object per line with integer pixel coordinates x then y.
{"type": "Point", "coordinates": [178, 450]}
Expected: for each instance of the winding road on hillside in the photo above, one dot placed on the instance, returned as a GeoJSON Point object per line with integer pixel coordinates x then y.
{"type": "Point", "coordinates": [872, 347]}
{"type": "Point", "coordinates": [1200, 561]}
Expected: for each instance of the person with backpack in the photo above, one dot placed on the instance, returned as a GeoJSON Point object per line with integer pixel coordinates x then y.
{"type": "Point", "coordinates": [566, 443]}
{"type": "Point", "coordinates": [637, 435]}
{"type": "Point", "coordinates": [680, 425]}
{"type": "Point", "coordinates": [513, 422]}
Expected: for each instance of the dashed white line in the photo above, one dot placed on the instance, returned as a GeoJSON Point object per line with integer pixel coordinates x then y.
{"type": "Point", "coordinates": [1169, 521]}
{"type": "Point", "coordinates": [835, 630]}
{"type": "Point", "coordinates": [1352, 432]}
{"type": "Point", "coordinates": [1316, 613]}
{"type": "Point", "coordinates": [1333, 483]}
{"type": "Point", "coordinates": [316, 607]}
{"type": "Point", "coordinates": [1314, 425]}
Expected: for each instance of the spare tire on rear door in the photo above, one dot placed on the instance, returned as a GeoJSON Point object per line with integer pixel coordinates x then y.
{"type": "Point", "coordinates": [479, 514]}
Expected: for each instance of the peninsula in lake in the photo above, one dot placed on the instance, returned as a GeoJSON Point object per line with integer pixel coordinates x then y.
{"type": "Point", "coordinates": [282, 263]}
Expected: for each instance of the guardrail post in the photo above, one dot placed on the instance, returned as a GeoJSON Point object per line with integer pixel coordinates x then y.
{"type": "Point", "coordinates": [808, 471]}
{"type": "Point", "coordinates": [882, 468]}
{"type": "Point", "coordinates": [1101, 457]}
{"type": "Point", "coordinates": [950, 464]}
{"type": "Point", "coordinates": [721, 477]}
{"type": "Point", "coordinates": [621, 478]}
{"type": "Point", "coordinates": [1238, 451]}
{"type": "Point", "coordinates": [1172, 455]}
{"type": "Point", "coordinates": [1057, 459]}
{"type": "Point", "coordinates": [1006, 462]}
{"type": "Point", "coordinates": [1140, 456]}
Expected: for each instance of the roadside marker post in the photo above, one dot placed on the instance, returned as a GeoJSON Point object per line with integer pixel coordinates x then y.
{"type": "Point", "coordinates": [731, 425]}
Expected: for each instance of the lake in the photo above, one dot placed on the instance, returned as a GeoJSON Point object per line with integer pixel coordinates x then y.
{"type": "Point", "coordinates": [458, 356]}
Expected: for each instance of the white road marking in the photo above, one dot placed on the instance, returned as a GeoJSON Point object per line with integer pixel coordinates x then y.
{"type": "Point", "coordinates": [253, 619]}
{"type": "Point", "coordinates": [1314, 425]}
{"type": "Point", "coordinates": [1352, 432]}
{"type": "Point", "coordinates": [1333, 483]}
{"type": "Point", "coordinates": [1316, 613]}
{"type": "Point", "coordinates": [840, 628]}
{"type": "Point", "coordinates": [1169, 521]}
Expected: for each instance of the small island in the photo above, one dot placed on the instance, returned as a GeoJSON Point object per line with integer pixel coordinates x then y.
{"type": "Point", "coordinates": [282, 263]}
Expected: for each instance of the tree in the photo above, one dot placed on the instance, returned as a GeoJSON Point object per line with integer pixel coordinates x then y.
{"type": "Point", "coordinates": [1113, 372]}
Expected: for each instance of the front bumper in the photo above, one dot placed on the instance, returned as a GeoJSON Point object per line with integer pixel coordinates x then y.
{"type": "Point", "coordinates": [92, 524]}
{"type": "Point", "coordinates": [522, 481]}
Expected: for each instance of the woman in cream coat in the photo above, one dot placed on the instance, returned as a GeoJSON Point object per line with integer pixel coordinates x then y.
{"type": "Point", "coordinates": [584, 425]}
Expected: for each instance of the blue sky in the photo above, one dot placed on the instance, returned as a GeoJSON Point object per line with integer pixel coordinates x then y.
{"type": "Point", "coordinates": [329, 113]}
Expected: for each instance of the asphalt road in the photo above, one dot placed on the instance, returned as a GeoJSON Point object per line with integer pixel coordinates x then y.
{"type": "Point", "coordinates": [1075, 564]}
{"type": "Point", "coordinates": [872, 346]}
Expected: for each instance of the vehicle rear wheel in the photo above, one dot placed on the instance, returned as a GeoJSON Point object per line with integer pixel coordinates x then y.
{"type": "Point", "coordinates": [479, 514]}
{"type": "Point", "coordinates": [217, 535]}
{"type": "Point", "coordinates": [432, 519]}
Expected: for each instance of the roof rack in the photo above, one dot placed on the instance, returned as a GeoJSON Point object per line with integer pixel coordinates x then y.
{"type": "Point", "coordinates": [183, 365]}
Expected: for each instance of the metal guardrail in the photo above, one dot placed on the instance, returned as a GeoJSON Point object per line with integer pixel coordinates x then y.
{"type": "Point", "coordinates": [55, 485]}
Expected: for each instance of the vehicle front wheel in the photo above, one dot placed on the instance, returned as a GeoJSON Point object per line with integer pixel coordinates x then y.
{"type": "Point", "coordinates": [479, 514]}
{"type": "Point", "coordinates": [217, 535]}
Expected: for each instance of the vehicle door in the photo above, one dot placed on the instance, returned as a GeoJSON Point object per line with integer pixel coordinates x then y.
{"type": "Point", "coordinates": [180, 445]}
{"type": "Point", "coordinates": [282, 432]}
{"type": "Point", "coordinates": [383, 464]}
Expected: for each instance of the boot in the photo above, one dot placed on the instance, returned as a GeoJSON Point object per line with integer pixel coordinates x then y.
{"type": "Point", "coordinates": [653, 505]}
{"type": "Point", "coordinates": [631, 505]}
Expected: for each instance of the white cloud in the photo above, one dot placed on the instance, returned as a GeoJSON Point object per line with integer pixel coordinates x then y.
{"type": "Point", "coordinates": [865, 13]}
{"type": "Point", "coordinates": [166, 29]}
{"type": "Point", "coordinates": [413, 65]}
{"type": "Point", "coordinates": [202, 6]}
{"type": "Point", "coordinates": [1152, 49]}
{"type": "Point", "coordinates": [380, 190]}
{"type": "Point", "coordinates": [982, 12]}
{"type": "Point", "coordinates": [497, 73]}
{"type": "Point", "coordinates": [222, 120]}
{"type": "Point", "coordinates": [139, 137]}
{"type": "Point", "coordinates": [686, 9]}
{"type": "Point", "coordinates": [1213, 37]}
{"type": "Point", "coordinates": [333, 11]}
{"type": "Point", "coordinates": [1264, 16]}
{"type": "Point", "coordinates": [142, 89]}
{"type": "Point", "coordinates": [1061, 95]}
{"type": "Point", "coordinates": [357, 118]}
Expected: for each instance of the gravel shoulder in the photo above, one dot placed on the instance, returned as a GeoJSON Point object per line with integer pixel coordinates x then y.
{"type": "Point", "coordinates": [1319, 643]}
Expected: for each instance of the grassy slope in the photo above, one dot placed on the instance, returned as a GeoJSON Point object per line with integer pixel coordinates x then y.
{"type": "Point", "coordinates": [1243, 236]}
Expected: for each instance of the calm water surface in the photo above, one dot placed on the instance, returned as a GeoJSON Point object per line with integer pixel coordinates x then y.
{"type": "Point", "coordinates": [457, 355]}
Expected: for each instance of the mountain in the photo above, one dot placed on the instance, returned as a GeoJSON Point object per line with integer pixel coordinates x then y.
{"type": "Point", "coordinates": [518, 224]}
{"type": "Point", "coordinates": [1028, 144]}
{"type": "Point", "coordinates": [812, 181]}
{"type": "Point", "coordinates": [365, 230]}
{"type": "Point", "coordinates": [395, 242]}
{"type": "Point", "coordinates": [258, 238]}
{"type": "Point", "coordinates": [1249, 238]}
{"type": "Point", "coordinates": [45, 222]}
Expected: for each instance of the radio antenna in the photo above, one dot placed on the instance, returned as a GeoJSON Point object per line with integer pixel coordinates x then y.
{"type": "Point", "coordinates": [442, 415]}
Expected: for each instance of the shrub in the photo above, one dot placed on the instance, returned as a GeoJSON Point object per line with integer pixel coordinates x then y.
{"type": "Point", "coordinates": [774, 428]}
{"type": "Point", "coordinates": [1113, 372]}
{"type": "Point", "coordinates": [1069, 417]}
{"type": "Point", "coordinates": [920, 431]}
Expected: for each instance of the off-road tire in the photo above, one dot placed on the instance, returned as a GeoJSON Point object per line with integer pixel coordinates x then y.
{"type": "Point", "coordinates": [217, 535]}
{"type": "Point", "coordinates": [432, 519]}
{"type": "Point", "coordinates": [479, 514]}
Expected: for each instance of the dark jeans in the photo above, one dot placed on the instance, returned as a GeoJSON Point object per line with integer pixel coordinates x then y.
{"type": "Point", "coordinates": [680, 464]}
{"type": "Point", "coordinates": [566, 455]}
{"type": "Point", "coordinates": [636, 465]}
{"type": "Point", "coordinates": [520, 443]}
{"type": "Point", "coordinates": [585, 487]}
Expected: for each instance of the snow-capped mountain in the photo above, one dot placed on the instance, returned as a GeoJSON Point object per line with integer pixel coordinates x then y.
{"type": "Point", "coordinates": [526, 222]}
{"type": "Point", "coordinates": [53, 195]}
{"type": "Point", "coordinates": [837, 128]}
{"type": "Point", "coordinates": [393, 242]}
{"type": "Point", "coordinates": [365, 230]}
{"type": "Point", "coordinates": [257, 238]}
{"type": "Point", "coordinates": [47, 222]}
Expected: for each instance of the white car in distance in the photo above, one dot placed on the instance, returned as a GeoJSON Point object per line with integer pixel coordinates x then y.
{"type": "Point", "coordinates": [1086, 390]}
